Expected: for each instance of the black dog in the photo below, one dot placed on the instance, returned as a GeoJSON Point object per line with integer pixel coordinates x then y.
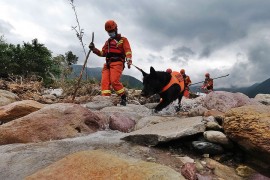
{"type": "Point", "coordinates": [158, 82]}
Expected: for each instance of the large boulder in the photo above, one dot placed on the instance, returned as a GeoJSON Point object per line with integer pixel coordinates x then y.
{"type": "Point", "coordinates": [104, 165]}
{"type": "Point", "coordinates": [18, 109]}
{"type": "Point", "coordinates": [7, 97]}
{"type": "Point", "coordinates": [167, 131]}
{"type": "Point", "coordinates": [223, 101]}
{"type": "Point", "coordinates": [121, 123]}
{"type": "Point", "coordinates": [249, 126]}
{"type": "Point", "coordinates": [55, 121]}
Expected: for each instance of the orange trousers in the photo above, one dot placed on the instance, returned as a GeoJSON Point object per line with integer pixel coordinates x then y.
{"type": "Point", "coordinates": [111, 76]}
{"type": "Point", "coordinates": [186, 93]}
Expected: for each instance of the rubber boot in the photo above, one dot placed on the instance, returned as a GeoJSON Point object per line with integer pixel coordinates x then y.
{"type": "Point", "coordinates": [123, 100]}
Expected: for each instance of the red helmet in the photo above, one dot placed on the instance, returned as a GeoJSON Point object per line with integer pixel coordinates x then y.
{"type": "Point", "coordinates": [110, 25]}
{"type": "Point", "coordinates": [207, 75]}
{"type": "Point", "coordinates": [169, 70]}
{"type": "Point", "coordinates": [182, 71]}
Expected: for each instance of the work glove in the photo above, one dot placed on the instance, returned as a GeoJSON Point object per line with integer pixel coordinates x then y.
{"type": "Point", "coordinates": [129, 62]}
{"type": "Point", "coordinates": [91, 46]}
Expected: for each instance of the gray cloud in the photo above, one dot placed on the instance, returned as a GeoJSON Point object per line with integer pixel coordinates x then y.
{"type": "Point", "coordinates": [152, 58]}
{"type": "Point", "coordinates": [5, 27]}
{"type": "Point", "coordinates": [182, 54]}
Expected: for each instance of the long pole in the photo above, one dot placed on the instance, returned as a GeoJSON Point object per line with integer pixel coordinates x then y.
{"type": "Point", "coordinates": [79, 80]}
{"type": "Point", "coordinates": [212, 78]}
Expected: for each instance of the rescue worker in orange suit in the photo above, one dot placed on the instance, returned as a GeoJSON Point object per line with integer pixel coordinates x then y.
{"type": "Point", "coordinates": [116, 49]}
{"type": "Point", "coordinates": [180, 79]}
{"type": "Point", "coordinates": [187, 82]}
{"type": "Point", "coordinates": [208, 84]}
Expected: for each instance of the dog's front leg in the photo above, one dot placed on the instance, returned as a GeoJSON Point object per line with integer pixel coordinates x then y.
{"type": "Point", "coordinates": [161, 105]}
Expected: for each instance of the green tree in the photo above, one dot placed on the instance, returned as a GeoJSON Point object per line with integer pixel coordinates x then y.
{"type": "Point", "coordinates": [29, 59]}
{"type": "Point", "coordinates": [65, 63]}
{"type": "Point", "coordinates": [70, 58]}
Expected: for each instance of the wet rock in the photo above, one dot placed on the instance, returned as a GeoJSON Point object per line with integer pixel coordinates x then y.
{"type": "Point", "coordinates": [207, 147]}
{"type": "Point", "coordinates": [121, 123]}
{"type": "Point", "coordinates": [223, 101]}
{"type": "Point", "coordinates": [249, 126]}
{"type": "Point", "coordinates": [55, 121]}
{"type": "Point", "coordinates": [18, 109]}
{"type": "Point", "coordinates": [167, 131]}
{"type": "Point", "coordinates": [104, 165]}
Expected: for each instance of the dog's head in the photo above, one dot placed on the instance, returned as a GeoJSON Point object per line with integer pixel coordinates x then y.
{"type": "Point", "coordinates": [153, 82]}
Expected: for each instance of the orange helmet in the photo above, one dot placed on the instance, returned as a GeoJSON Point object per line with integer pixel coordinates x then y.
{"type": "Point", "coordinates": [207, 75]}
{"type": "Point", "coordinates": [110, 25]}
{"type": "Point", "coordinates": [169, 70]}
{"type": "Point", "coordinates": [182, 71]}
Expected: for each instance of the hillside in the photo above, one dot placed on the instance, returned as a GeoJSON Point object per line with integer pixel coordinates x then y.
{"type": "Point", "coordinates": [95, 73]}
{"type": "Point", "coordinates": [262, 88]}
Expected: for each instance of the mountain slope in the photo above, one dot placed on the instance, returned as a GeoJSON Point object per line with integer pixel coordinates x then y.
{"type": "Point", "coordinates": [262, 88]}
{"type": "Point", "coordinates": [95, 73]}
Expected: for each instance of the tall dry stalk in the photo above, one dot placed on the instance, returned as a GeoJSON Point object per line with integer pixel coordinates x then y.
{"type": "Point", "coordinates": [79, 31]}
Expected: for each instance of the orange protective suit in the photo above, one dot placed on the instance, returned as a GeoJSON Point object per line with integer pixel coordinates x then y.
{"type": "Point", "coordinates": [180, 79]}
{"type": "Point", "coordinates": [208, 85]}
{"type": "Point", "coordinates": [187, 83]}
{"type": "Point", "coordinates": [115, 50]}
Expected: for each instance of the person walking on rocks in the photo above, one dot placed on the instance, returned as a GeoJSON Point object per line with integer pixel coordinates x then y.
{"type": "Point", "coordinates": [187, 82]}
{"type": "Point", "coordinates": [116, 50]}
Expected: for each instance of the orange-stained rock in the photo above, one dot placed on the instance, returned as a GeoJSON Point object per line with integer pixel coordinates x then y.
{"type": "Point", "coordinates": [249, 126]}
{"type": "Point", "coordinates": [56, 121]}
{"type": "Point", "coordinates": [103, 165]}
{"type": "Point", "coordinates": [18, 109]}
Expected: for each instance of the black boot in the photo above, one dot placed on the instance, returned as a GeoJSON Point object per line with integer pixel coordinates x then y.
{"type": "Point", "coordinates": [123, 100]}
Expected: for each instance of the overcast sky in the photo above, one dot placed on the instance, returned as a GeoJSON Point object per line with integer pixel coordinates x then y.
{"type": "Point", "coordinates": [219, 37]}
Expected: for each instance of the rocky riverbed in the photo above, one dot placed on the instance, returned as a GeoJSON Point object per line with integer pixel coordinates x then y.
{"type": "Point", "coordinates": [220, 136]}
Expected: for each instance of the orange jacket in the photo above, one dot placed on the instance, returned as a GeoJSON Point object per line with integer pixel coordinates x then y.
{"type": "Point", "coordinates": [115, 49]}
{"type": "Point", "coordinates": [177, 78]}
{"type": "Point", "coordinates": [209, 83]}
{"type": "Point", "coordinates": [187, 81]}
